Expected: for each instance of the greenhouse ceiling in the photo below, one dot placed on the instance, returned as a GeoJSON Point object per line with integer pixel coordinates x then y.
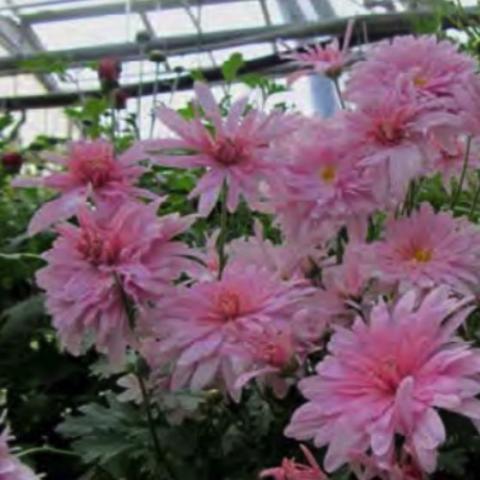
{"type": "Point", "coordinates": [48, 47]}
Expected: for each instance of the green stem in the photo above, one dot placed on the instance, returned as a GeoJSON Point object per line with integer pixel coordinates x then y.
{"type": "Point", "coordinates": [475, 199]}
{"type": "Point", "coordinates": [161, 458]}
{"type": "Point", "coordinates": [456, 196]}
{"type": "Point", "coordinates": [154, 103]}
{"type": "Point", "coordinates": [47, 449]}
{"type": "Point", "coordinates": [114, 125]}
{"type": "Point", "coordinates": [222, 237]}
{"type": "Point", "coordinates": [339, 93]}
{"type": "Point", "coordinates": [151, 424]}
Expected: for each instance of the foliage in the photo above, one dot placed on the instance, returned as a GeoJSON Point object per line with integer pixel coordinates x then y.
{"type": "Point", "coordinates": [75, 413]}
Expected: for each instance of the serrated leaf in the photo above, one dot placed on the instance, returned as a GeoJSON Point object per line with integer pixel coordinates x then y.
{"type": "Point", "coordinates": [22, 316]}
{"type": "Point", "coordinates": [231, 67]}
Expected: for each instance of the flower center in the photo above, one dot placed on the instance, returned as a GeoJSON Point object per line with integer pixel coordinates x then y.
{"type": "Point", "coordinates": [96, 249]}
{"type": "Point", "coordinates": [386, 375]}
{"type": "Point", "coordinates": [328, 173]}
{"type": "Point", "coordinates": [228, 304]}
{"type": "Point", "coordinates": [227, 152]}
{"type": "Point", "coordinates": [95, 168]}
{"type": "Point", "coordinates": [387, 133]}
{"type": "Point", "coordinates": [420, 80]}
{"type": "Point", "coordinates": [422, 255]}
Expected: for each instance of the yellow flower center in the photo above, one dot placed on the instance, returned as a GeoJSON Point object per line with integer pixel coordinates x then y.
{"type": "Point", "coordinates": [328, 173]}
{"type": "Point", "coordinates": [420, 80]}
{"type": "Point", "coordinates": [422, 255]}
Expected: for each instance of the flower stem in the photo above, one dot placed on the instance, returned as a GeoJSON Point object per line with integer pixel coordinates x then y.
{"type": "Point", "coordinates": [222, 237]}
{"type": "Point", "coordinates": [47, 449]}
{"type": "Point", "coordinates": [162, 460]}
{"type": "Point", "coordinates": [154, 103]}
{"type": "Point", "coordinates": [456, 196]}
{"type": "Point", "coordinates": [151, 424]}
{"type": "Point", "coordinates": [339, 93]}
{"type": "Point", "coordinates": [113, 131]}
{"type": "Point", "coordinates": [475, 199]}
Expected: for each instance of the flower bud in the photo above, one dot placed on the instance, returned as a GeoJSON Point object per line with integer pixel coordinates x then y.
{"type": "Point", "coordinates": [12, 162]}
{"type": "Point", "coordinates": [109, 70]}
{"type": "Point", "coordinates": [119, 99]}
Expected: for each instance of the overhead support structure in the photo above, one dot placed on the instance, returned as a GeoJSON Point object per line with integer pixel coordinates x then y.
{"type": "Point", "coordinates": [137, 6]}
{"type": "Point", "coordinates": [378, 26]}
{"type": "Point", "coordinates": [323, 9]}
{"type": "Point", "coordinates": [384, 27]}
{"type": "Point", "coordinates": [20, 41]}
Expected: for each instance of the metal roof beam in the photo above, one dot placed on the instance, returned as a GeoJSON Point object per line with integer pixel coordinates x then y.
{"type": "Point", "coordinates": [20, 40]}
{"type": "Point", "coordinates": [138, 6]}
{"type": "Point", "coordinates": [272, 64]}
{"type": "Point", "coordinates": [378, 26]}
{"type": "Point", "coordinates": [323, 8]}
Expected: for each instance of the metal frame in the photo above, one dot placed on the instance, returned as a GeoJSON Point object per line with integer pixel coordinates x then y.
{"type": "Point", "coordinates": [19, 38]}
{"type": "Point", "coordinates": [137, 6]}
{"type": "Point", "coordinates": [272, 65]}
{"type": "Point", "coordinates": [377, 25]}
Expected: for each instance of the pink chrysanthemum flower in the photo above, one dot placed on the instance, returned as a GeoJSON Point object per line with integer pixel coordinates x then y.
{"type": "Point", "coordinates": [206, 332]}
{"type": "Point", "coordinates": [446, 155]}
{"type": "Point", "coordinates": [429, 249]}
{"type": "Point", "coordinates": [387, 377]}
{"type": "Point", "coordinates": [11, 468]}
{"type": "Point", "coordinates": [233, 151]}
{"type": "Point", "coordinates": [403, 468]}
{"type": "Point", "coordinates": [92, 171]}
{"type": "Point", "coordinates": [467, 97]}
{"type": "Point", "coordinates": [321, 178]}
{"type": "Point", "coordinates": [88, 263]}
{"type": "Point", "coordinates": [291, 470]}
{"type": "Point", "coordinates": [392, 135]}
{"type": "Point", "coordinates": [344, 285]}
{"type": "Point", "coordinates": [329, 60]}
{"type": "Point", "coordinates": [429, 69]}
{"type": "Point", "coordinates": [288, 260]}
{"type": "Point", "coordinates": [273, 358]}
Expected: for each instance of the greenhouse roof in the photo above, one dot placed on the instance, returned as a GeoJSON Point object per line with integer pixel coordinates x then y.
{"type": "Point", "coordinates": [47, 46]}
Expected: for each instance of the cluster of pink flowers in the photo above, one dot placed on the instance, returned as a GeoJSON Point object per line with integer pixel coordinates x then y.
{"type": "Point", "coordinates": [92, 266]}
{"type": "Point", "coordinates": [92, 172]}
{"type": "Point", "coordinates": [384, 376]}
{"type": "Point", "coordinates": [226, 331]}
{"type": "Point", "coordinates": [388, 312]}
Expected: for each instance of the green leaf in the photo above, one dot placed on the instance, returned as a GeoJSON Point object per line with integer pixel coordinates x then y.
{"type": "Point", "coordinates": [103, 434]}
{"type": "Point", "coordinates": [20, 256]}
{"type": "Point", "coordinates": [22, 316]}
{"type": "Point", "coordinates": [197, 75]}
{"type": "Point", "coordinates": [453, 462]}
{"type": "Point", "coordinates": [231, 67]}
{"type": "Point", "coordinates": [6, 120]}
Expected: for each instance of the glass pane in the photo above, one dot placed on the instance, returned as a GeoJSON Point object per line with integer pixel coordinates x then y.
{"type": "Point", "coordinates": [231, 16]}
{"type": "Point", "coordinates": [52, 122]}
{"type": "Point", "coordinates": [171, 22]}
{"type": "Point", "coordinates": [89, 32]}
{"type": "Point", "coordinates": [20, 85]}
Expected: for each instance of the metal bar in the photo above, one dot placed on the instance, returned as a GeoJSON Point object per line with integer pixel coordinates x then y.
{"type": "Point", "coordinates": [379, 26]}
{"type": "Point", "coordinates": [139, 6]}
{"type": "Point", "coordinates": [39, 3]}
{"type": "Point", "coordinates": [148, 25]}
{"type": "Point", "coordinates": [19, 39]}
{"type": "Point", "coordinates": [323, 8]}
{"type": "Point", "coordinates": [271, 64]}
